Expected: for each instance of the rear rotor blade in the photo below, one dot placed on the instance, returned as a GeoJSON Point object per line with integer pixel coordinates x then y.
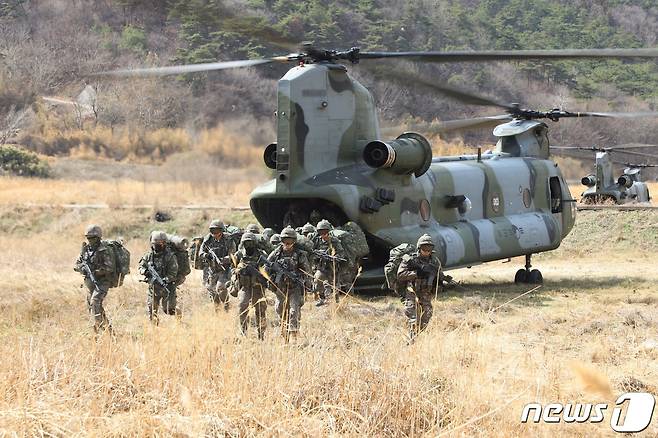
{"type": "Point", "coordinates": [635, 115]}
{"type": "Point", "coordinates": [450, 125]}
{"type": "Point", "coordinates": [467, 97]}
{"type": "Point", "coordinates": [510, 55]}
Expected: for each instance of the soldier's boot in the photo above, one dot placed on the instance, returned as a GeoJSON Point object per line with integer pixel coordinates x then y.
{"type": "Point", "coordinates": [322, 300]}
{"type": "Point", "coordinates": [179, 314]}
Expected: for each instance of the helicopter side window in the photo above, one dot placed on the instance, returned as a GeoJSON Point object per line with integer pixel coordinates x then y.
{"type": "Point", "coordinates": [556, 194]}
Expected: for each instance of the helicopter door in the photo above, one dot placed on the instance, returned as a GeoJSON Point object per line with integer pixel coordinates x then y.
{"type": "Point", "coordinates": [556, 194]}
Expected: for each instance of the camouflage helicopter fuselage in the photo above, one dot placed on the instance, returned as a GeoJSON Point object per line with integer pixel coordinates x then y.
{"type": "Point", "coordinates": [329, 162]}
{"type": "Point", "coordinates": [602, 186]}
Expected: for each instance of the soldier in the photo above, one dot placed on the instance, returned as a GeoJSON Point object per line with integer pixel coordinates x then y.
{"type": "Point", "coordinates": [275, 240]}
{"type": "Point", "coordinates": [250, 283]}
{"type": "Point", "coordinates": [216, 251]}
{"type": "Point", "coordinates": [267, 234]}
{"type": "Point", "coordinates": [308, 231]}
{"type": "Point", "coordinates": [329, 259]}
{"type": "Point", "coordinates": [420, 271]}
{"type": "Point", "coordinates": [160, 269]}
{"type": "Point", "coordinates": [96, 263]}
{"type": "Point", "coordinates": [252, 228]}
{"type": "Point", "coordinates": [287, 270]}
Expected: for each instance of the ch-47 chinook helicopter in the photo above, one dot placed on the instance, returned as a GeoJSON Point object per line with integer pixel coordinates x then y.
{"type": "Point", "coordinates": [330, 161]}
{"type": "Point", "coordinates": [602, 187]}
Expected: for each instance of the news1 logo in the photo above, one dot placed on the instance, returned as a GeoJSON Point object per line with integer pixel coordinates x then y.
{"type": "Point", "coordinates": [639, 411]}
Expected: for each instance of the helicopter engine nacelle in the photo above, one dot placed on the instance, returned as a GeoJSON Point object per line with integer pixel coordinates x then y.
{"type": "Point", "coordinates": [589, 181]}
{"type": "Point", "coordinates": [409, 153]}
{"type": "Point", "coordinates": [625, 181]}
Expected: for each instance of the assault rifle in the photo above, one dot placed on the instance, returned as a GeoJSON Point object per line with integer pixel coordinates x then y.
{"type": "Point", "coordinates": [88, 273]}
{"type": "Point", "coordinates": [282, 272]}
{"type": "Point", "coordinates": [325, 256]}
{"type": "Point", "coordinates": [215, 257]}
{"type": "Point", "coordinates": [251, 267]}
{"type": "Point", "coordinates": [155, 277]}
{"type": "Point", "coordinates": [424, 271]}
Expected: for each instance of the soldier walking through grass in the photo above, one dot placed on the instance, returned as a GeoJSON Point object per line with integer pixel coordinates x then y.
{"type": "Point", "coordinates": [160, 269]}
{"type": "Point", "coordinates": [287, 270]}
{"type": "Point", "coordinates": [215, 252]}
{"type": "Point", "coordinates": [96, 263]}
{"type": "Point", "coordinates": [420, 272]}
{"type": "Point", "coordinates": [329, 260]}
{"type": "Point", "coordinates": [249, 283]}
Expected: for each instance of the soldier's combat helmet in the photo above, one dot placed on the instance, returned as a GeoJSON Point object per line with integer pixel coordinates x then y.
{"type": "Point", "coordinates": [425, 239]}
{"type": "Point", "coordinates": [253, 228]}
{"type": "Point", "coordinates": [275, 239]}
{"type": "Point", "coordinates": [158, 236]}
{"type": "Point", "coordinates": [93, 231]}
{"type": "Point", "coordinates": [267, 233]}
{"type": "Point", "coordinates": [248, 237]}
{"type": "Point", "coordinates": [324, 225]}
{"type": "Point", "coordinates": [308, 228]}
{"type": "Point", "coordinates": [289, 233]}
{"type": "Point", "coordinates": [216, 224]}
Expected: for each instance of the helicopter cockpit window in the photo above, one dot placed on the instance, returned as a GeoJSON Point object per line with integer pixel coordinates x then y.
{"type": "Point", "coordinates": [556, 194]}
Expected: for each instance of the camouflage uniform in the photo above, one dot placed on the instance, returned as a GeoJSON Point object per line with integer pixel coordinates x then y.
{"type": "Point", "coordinates": [165, 264]}
{"type": "Point", "coordinates": [289, 293]}
{"type": "Point", "coordinates": [328, 275]}
{"type": "Point", "coordinates": [420, 275]}
{"type": "Point", "coordinates": [251, 284]}
{"type": "Point", "coordinates": [98, 256]}
{"type": "Point", "coordinates": [217, 274]}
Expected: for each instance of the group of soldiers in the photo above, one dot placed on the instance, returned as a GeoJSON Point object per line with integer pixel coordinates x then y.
{"type": "Point", "coordinates": [289, 264]}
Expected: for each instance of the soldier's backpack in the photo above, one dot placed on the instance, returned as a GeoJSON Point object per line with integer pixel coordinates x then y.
{"type": "Point", "coordinates": [178, 245]}
{"type": "Point", "coordinates": [121, 261]}
{"type": "Point", "coordinates": [193, 253]}
{"type": "Point", "coordinates": [353, 239]}
{"type": "Point", "coordinates": [395, 259]}
{"type": "Point", "coordinates": [304, 243]}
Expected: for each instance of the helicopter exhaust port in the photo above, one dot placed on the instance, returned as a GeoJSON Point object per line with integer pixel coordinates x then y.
{"type": "Point", "coordinates": [409, 153]}
{"type": "Point", "coordinates": [625, 181]}
{"type": "Point", "coordinates": [589, 181]}
{"type": "Point", "coordinates": [269, 156]}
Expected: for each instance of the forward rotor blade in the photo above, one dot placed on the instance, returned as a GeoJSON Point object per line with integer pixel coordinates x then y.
{"type": "Point", "coordinates": [512, 55]}
{"type": "Point", "coordinates": [190, 68]}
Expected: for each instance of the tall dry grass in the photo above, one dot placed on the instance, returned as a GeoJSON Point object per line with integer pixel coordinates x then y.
{"type": "Point", "coordinates": [351, 373]}
{"type": "Point", "coordinates": [231, 147]}
{"type": "Point", "coordinates": [22, 191]}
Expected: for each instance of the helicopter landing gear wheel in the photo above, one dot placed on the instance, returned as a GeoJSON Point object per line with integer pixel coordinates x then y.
{"type": "Point", "coordinates": [527, 275]}
{"type": "Point", "coordinates": [521, 276]}
{"type": "Point", "coordinates": [535, 277]}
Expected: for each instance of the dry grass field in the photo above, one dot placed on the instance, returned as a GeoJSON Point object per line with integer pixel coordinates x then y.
{"type": "Point", "coordinates": [588, 335]}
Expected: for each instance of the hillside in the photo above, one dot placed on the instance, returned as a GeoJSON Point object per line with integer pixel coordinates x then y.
{"type": "Point", "coordinates": [50, 48]}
